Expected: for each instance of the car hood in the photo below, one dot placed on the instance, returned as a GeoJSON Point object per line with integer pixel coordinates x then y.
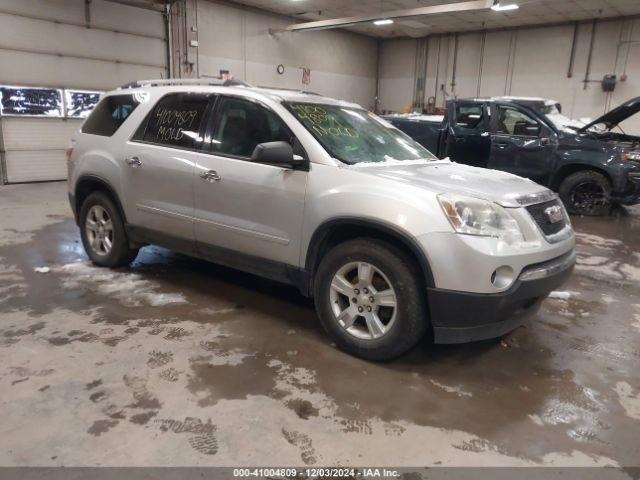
{"type": "Point", "coordinates": [617, 115]}
{"type": "Point", "coordinates": [566, 124]}
{"type": "Point", "coordinates": [444, 176]}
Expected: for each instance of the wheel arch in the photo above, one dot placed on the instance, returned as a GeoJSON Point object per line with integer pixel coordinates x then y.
{"type": "Point", "coordinates": [86, 185]}
{"type": "Point", "coordinates": [572, 168]}
{"type": "Point", "coordinates": [338, 230]}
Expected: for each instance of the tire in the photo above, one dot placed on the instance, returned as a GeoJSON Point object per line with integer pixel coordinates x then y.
{"type": "Point", "coordinates": [586, 193]}
{"type": "Point", "coordinates": [98, 209]}
{"type": "Point", "coordinates": [400, 327]}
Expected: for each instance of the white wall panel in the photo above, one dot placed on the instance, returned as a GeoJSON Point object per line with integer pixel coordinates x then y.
{"type": "Point", "coordinates": [104, 14]}
{"type": "Point", "coordinates": [50, 43]}
{"type": "Point", "coordinates": [26, 34]}
{"type": "Point", "coordinates": [533, 62]}
{"type": "Point", "coordinates": [495, 64]}
{"type": "Point", "coordinates": [48, 70]}
{"type": "Point", "coordinates": [36, 50]}
{"type": "Point", "coordinates": [397, 74]}
{"type": "Point", "coordinates": [467, 65]}
{"type": "Point", "coordinates": [342, 64]}
{"type": "Point", "coordinates": [540, 65]}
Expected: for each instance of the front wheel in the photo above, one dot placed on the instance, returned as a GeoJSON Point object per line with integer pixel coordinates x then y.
{"type": "Point", "coordinates": [586, 193]}
{"type": "Point", "coordinates": [369, 297]}
{"type": "Point", "coordinates": [103, 235]}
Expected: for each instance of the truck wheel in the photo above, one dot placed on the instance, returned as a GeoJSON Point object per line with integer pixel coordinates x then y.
{"type": "Point", "coordinates": [586, 193]}
{"type": "Point", "coordinates": [103, 235]}
{"type": "Point", "coordinates": [369, 297]}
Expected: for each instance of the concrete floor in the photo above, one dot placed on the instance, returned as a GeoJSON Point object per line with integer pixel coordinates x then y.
{"type": "Point", "coordinates": [175, 361]}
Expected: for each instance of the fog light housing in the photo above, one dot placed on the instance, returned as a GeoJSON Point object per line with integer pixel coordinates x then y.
{"type": "Point", "coordinates": [502, 277]}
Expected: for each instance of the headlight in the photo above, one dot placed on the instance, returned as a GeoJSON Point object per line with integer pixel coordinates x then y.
{"type": "Point", "coordinates": [474, 216]}
{"type": "Point", "coordinates": [630, 155]}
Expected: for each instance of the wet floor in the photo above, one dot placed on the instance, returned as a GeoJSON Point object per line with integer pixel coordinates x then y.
{"type": "Point", "coordinates": [176, 361]}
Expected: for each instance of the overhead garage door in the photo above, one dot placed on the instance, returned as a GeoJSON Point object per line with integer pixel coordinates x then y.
{"type": "Point", "coordinates": [35, 148]}
{"type": "Point", "coordinates": [69, 44]}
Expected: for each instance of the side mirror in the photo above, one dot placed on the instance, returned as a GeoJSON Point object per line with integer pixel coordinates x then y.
{"type": "Point", "coordinates": [280, 154]}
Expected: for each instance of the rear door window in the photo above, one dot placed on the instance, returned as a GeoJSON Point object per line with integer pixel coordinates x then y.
{"type": "Point", "coordinates": [468, 116]}
{"type": "Point", "coordinates": [241, 125]}
{"type": "Point", "coordinates": [176, 121]}
{"type": "Point", "coordinates": [109, 115]}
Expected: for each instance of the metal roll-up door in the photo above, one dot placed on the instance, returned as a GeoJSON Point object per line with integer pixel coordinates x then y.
{"type": "Point", "coordinates": [69, 45]}
{"type": "Point", "coordinates": [35, 148]}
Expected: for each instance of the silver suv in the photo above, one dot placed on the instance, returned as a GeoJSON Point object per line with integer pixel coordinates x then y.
{"type": "Point", "coordinates": [391, 242]}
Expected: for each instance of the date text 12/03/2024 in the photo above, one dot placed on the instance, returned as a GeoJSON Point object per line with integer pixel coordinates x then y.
{"type": "Point", "coordinates": [317, 472]}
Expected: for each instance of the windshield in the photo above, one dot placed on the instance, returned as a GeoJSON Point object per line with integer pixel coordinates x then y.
{"type": "Point", "coordinates": [353, 135]}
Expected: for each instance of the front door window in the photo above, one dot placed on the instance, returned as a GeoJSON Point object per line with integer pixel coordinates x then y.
{"type": "Point", "coordinates": [512, 121]}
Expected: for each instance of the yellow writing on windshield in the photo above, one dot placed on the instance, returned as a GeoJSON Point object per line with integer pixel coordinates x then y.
{"type": "Point", "coordinates": [322, 122]}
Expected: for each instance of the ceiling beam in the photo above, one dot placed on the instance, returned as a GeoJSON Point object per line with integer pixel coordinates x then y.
{"type": "Point", "coordinates": [393, 14]}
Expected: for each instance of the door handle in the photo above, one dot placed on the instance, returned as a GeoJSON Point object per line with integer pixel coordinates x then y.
{"type": "Point", "coordinates": [210, 176]}
{"type": "Point", "coordinates": [461, 140]}
{"type": "Point", "coordinates": [133, 162]}
{"type": "Point", "coordinates": [502, 144]}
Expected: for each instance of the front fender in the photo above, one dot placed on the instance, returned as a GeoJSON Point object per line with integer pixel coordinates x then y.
{"type": "Point", "coordinates": [405, 212]}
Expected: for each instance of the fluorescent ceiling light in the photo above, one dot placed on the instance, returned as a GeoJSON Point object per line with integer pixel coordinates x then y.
{"type": "Point", "coordinates": [501, 8]}
{"type": "Point", "coordinates": [384, 21]}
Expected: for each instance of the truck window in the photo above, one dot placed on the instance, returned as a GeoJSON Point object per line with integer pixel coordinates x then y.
{"type": "Point", "coordinates": [241, 125]}
{"type": "Point", "coordinates": [109, 114]}
{"type": "Point", "coordinates": [353, 135]}
{"type": "Point", "coordinates": [175, 121]}
{"type": "Point", "coordinates": [468, 116]}
{"type": "Point", "coordinates": [512, 121]}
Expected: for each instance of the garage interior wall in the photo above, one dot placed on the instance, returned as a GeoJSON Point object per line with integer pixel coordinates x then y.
{"type": "Point", "coordinates": [97, 45]}
{"type": "Point", "coordinates": [524, 62]}
{"type": "Point", "coordinates": [234, 38]}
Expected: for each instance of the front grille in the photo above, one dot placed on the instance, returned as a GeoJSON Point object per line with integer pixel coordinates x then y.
{"type": "Point", "coordinates": [542, 219]}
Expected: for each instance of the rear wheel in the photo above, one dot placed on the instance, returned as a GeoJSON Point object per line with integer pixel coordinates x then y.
{"type": "Point", "coordinates": [586, 193]}
{"type": "Point", "coordinates": [103, 235]}
{"type": "Point", "coordinates": [369, 297]}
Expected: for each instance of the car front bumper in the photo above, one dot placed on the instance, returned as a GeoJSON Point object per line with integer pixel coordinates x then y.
{"type": "Point", "coordinates": [631, 195]}
{"type": "Point", "coordinates": [459, 317]}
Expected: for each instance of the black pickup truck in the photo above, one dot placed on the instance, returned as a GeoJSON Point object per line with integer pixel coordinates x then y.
{"type": "Point", "coordinates": [591, 167]}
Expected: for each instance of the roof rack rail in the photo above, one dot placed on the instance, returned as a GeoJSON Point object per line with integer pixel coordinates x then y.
{"type": "Point", "coordinates": [218, 82]}
{"type": "Point", "coordinates": [291, 90]}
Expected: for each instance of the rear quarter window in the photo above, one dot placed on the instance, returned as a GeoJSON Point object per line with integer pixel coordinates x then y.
{"type": "Point", "coordinates": [109, 115]}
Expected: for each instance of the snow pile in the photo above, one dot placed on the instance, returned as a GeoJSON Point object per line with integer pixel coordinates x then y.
{"type": "Point", "coordinates": [560, 295]}
{"type": "Point", "coordinates": [128, 288]}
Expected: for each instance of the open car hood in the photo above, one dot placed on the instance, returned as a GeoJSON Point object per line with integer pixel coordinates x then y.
{"type": "Point", "coordinates": [617, 115]}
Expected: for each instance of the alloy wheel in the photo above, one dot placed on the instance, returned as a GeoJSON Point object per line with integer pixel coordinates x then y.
{"type": "Point", "coordinates": [99, 230]}
{"type": "Point", "coordinates": [363, 300]}
{"type": "Point", "coordinates": [588, 196]}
